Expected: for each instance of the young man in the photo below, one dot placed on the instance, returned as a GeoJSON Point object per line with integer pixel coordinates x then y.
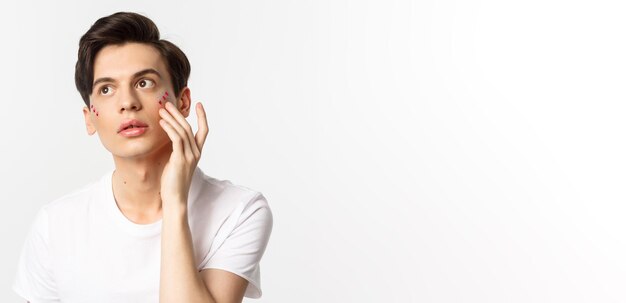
{"type": "Point", "coordinates": [155, 228]}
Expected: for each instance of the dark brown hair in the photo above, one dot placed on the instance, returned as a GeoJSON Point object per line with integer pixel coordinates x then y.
{"type": "Point", "coordinates": [120, 28]}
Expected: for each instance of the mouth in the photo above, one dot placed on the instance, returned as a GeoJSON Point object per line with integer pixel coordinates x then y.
{"type": "Point", "coordinates": [132, 124]}
{"type": "Point", "coordinates": [133, 131]}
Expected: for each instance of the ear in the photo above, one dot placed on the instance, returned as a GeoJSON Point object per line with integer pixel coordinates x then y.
{"type": "Point", "coordinates": [88, 123]}
{"type": "Point", "coordinates": [184, 102]}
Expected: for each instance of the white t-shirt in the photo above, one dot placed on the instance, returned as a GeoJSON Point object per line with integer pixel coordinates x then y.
{"type": "Point", "coordinates": [81, 248]}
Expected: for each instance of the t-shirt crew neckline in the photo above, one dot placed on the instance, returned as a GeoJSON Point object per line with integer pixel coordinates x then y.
{"type": "Point", "coordinates": [132, 228]}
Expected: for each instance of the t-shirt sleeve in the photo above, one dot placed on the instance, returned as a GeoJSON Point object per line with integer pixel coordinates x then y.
{"type": "Point", "coordinates": [241, 251]}
{"type": "Point", "coordinates": [33, 279]}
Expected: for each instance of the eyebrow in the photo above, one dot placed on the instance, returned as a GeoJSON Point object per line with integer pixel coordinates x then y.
{"type": "Point", "coordinates": [136, 75]}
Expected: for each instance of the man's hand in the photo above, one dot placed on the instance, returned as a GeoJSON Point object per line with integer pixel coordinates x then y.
{"type": "Point", "coordinates": [186, 152]}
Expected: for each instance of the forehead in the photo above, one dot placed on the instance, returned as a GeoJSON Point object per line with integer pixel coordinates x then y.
{"type": "Point", "coordinates": [122, 61]}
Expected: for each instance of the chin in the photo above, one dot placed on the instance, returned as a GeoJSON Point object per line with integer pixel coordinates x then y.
{"type": "Point", "coordinates": [137, 147]}
{"type": "Point", "coordinates": [132, 149]}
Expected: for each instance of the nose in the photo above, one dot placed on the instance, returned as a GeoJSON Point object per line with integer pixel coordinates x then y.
{"type": "Point", "coordinates": [129, 100]}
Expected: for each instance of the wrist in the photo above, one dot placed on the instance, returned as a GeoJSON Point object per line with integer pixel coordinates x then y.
{"type": "Point", "coordinates": [176, 209]}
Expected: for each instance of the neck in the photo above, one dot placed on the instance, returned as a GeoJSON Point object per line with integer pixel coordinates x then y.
{"type": "Point", "coordinates": [137, 182]}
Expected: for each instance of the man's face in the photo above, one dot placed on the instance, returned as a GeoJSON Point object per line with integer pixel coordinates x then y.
{"type": "Point", "coordinates": [131, 82]}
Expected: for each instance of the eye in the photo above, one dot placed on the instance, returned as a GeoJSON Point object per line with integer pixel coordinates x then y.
{"type": "Point", "coordinates": [105, 90]}
{"type": "Point", "coordinates": [145, 83]}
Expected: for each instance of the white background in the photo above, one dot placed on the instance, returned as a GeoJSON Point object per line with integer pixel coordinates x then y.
{"type": "Point", "coordinates": [426, 151]}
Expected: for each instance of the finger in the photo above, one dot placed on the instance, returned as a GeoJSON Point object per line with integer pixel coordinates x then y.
{"type": "Point", "coordinates": [187, 152]}
{"type": "Point", "coordinates": [177, 144]}
{"type": "Point", "coordinates": [172, 110]}
{"type": "Point", "coordinates": [203, 127]}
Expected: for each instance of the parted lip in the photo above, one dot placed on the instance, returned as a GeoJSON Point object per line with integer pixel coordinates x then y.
{"type": "Point", "coordinates": [128, 122]}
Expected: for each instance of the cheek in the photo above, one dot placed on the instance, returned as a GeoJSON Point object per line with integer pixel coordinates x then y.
{"type": "Point", "coordinates": [163, 98]}
{"type": "Point", "coordinates": [93, 109]}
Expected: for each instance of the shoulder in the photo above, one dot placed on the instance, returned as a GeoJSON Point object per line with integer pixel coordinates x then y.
{"type": "Point", "coordinates": [223, 193]}
{"type": "Point", "coordinates": [75, 202]}
{"type": "Point", "coordinates": [222, 205]}
{"type": "Point", "coordinates": [74, 197]}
